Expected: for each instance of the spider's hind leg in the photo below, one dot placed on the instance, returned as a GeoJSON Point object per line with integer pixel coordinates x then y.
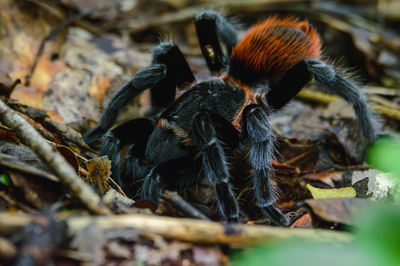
{"type": "Point", "coordinates": [216, 37]}
{"type": "Point", "coordinates": [134, 132]}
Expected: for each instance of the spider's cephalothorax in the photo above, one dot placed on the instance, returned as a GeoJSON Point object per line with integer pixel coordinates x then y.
{"type": "Point", "coordinates": [189, 139]}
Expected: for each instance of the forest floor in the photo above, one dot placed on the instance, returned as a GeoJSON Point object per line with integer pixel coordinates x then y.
{"type": "Point", "coordinates": [60, 62]}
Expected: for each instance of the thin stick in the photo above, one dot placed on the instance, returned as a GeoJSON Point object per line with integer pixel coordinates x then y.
{"type": "Point", "coordinates": [185, 229]}
{"type": "Point", "coordinates": [378, 104]}
{"type": "Point", "coordinates": [49, 155]}
{"type": "Point", "coordinates": [8, 250]}
{"type": "Point", "coordinates": [136, 25]}
{"type": "Point", "coordinates": [119, 189]}
{"type": "Point", "coordinates": [183, 206]}
{"type": "Point", "coordinates": [67, 132]}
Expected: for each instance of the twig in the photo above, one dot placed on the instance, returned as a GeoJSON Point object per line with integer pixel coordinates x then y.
{"type": "Point", "coordinates": [40, 116]}
{"type": "Point", "coordinates": [49, 155]}
{"type": "Point", "coordinates": [379, 104]}
{"type": "Point", "coordinates": [184, 229]}
{"type": "Point", "coordinates": [317, 96]}
{"type": "Point", "coordinates": [382, 91]}
{"type": "Point", "coordinates": [387, 111]}
{"type": "Point", "coordinates": [295, 159]}
{"type": "Point", "coordinates": [135, 25]}
{"type": "Point", "coordinates": [386, 107]}
{"type": "Point", "coordinates": [119, 189]}
{"type": "Point", "coordinates": [52, 8]}
{"type": "Point", "coordinates": [66, 132]}
{"type": "Point", "coordinates": [183, 206]}
{"type": "Point", "coordinates": [13, 202]}
{"type": "Point", "coordinates": [11, 162]}
{"type": "Point", "coordinates": [8, 250]}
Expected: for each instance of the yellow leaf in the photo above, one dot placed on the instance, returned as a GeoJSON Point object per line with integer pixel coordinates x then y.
{"type": "Point", "coordinates": [344, 192]}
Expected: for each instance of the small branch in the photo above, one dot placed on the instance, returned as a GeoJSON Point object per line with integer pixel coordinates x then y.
{"type": "Point", "coordinates": [185, 229]}
{"type": "Point", "coordinates": [8, 250]}
{"type": "Point", "coordinates": [233, 6]}
{"type": "Point", "coordinates": [67, 132]}
{"type": "Point", "coordinates": [379, 104]}
{"type": "Point", "coordinates": [371, 90]}
{"type": "Point", "coordinates": [49, 155]}
{"type": "Point", "coordinates": [317, 96]}
{"type": "Point", "coordinates": [183, 206]}
{"type": "Point", "coordinates": [40, 116]}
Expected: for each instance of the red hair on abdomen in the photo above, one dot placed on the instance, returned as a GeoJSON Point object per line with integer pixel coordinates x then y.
{"type": "Point", "coordinates": [275, 45]}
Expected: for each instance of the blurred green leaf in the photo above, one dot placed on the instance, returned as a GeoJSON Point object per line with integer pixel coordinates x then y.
{"type": "Point", "coordinates": [300, 253]}
{"type": "Point", "coordinates": [5, 180]}
{"type": "Point", "coordinates": [378, 231]}
{"type": "Point", "coordinates": [377, 228]}
{"type": "Point", "coordinates": [384, 155]}
{"type": "Point", "coordinates": [377, 244]}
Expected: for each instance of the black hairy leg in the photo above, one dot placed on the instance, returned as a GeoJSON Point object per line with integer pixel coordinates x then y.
{"type": "Point", "coordinates": [178, 76]}
{"type": "Point", "coordinates": [261, 139]}
{"type": "Point", "coordinates": [134, 169]}
{"type": "Point", "coordinates": [145, 78]}
{"type": "Point", "coordinates": [172, 174]}
{"type": "Point", "coordinates": [289, 85]}
{"type": "Point", "coordinates": [136, 131]}
{"type": "Point", "coordinates": [215, 166]}
{"type": "Point", "coordinates": [167, 71]}
{"type": "Point", "coordinates": [301, 73]}
{"type": "Point", "coordinates": [216, 37]}
{"type": "Point", "coordinates": [336, 83]}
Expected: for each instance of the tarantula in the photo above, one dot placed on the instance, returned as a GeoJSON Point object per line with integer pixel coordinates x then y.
{"type": "Point", "coordinates": [188, 140]}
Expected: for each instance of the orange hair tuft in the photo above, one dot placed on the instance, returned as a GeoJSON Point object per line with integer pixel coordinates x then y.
{"type": "Point", "coordinates": [276, 44]}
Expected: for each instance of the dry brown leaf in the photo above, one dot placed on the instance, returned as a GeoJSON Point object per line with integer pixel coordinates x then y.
{"type": "Point", "coordinates": [304, 221]}
{"type": "Point", "coordinates": [335, 210]}
{"type": "Point", "coordinates": [99, 172]}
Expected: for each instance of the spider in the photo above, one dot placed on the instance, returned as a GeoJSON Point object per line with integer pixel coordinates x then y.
{"type": "Point", "coordinates": [184, 140]}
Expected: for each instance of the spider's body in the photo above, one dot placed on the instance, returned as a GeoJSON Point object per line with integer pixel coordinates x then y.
{"type": "Point", "coordinates": [188, 140]}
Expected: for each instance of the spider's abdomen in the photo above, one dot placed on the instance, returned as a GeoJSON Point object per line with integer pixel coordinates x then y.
{"type": "Point", "coordinates": [272, 47]}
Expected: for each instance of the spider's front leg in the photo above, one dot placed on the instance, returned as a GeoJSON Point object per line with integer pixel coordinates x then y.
{"type": "Point", "coordinates": [216, 37]}
{"type": "Point", "coordinates": [167, 71]}
{"type": "Point", "coordinates": [215, 166]}
{"type": "Point", "coordinates": [261, 138]}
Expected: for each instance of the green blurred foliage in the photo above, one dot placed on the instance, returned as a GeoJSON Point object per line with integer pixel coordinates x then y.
{"type": "Point", "coordinates": [377, 231]}
{"type": "Point", "coordinates": [377, 243]}
{"type": "Point", "coordinates": [385, 155]}
{"type": "Point", "coordinates": [5, 180]}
